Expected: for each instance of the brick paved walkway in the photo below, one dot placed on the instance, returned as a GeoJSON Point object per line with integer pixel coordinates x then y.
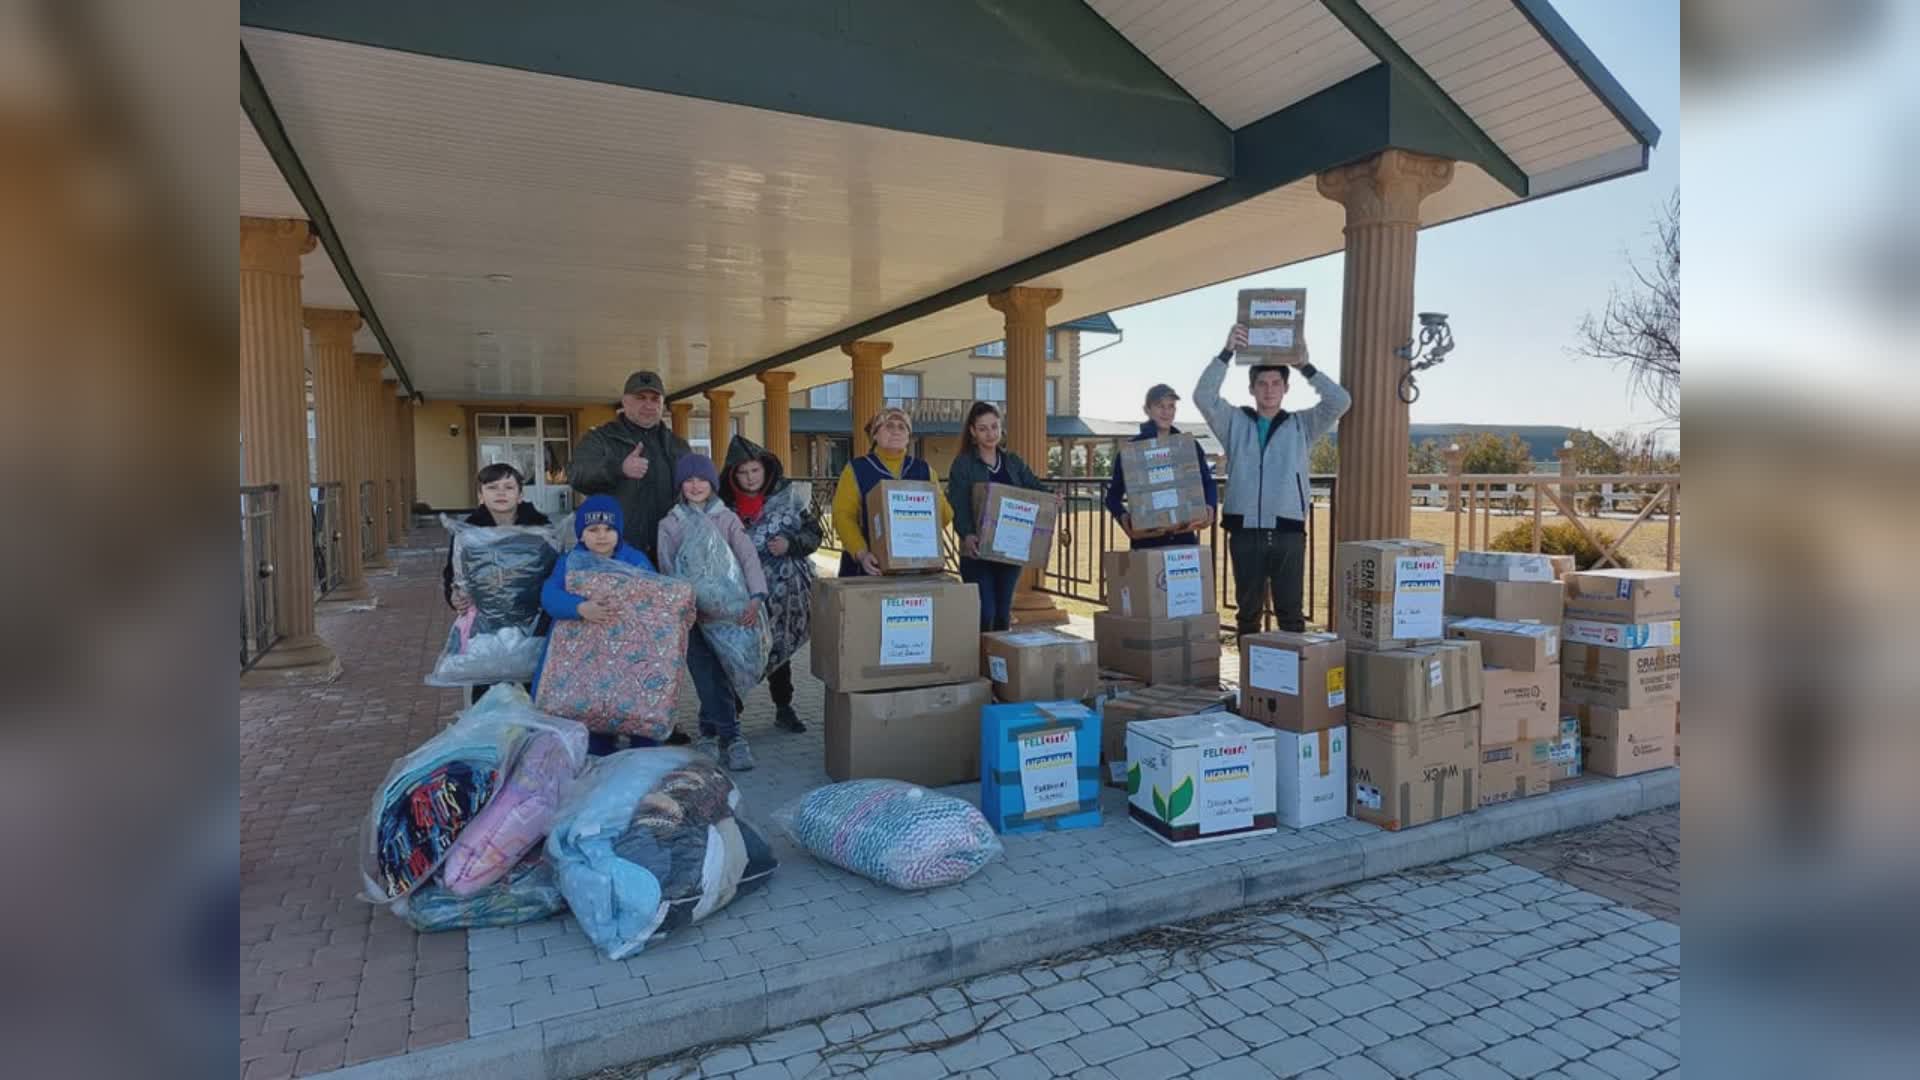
{"type": "Point", "coordinates": [1633, 861]}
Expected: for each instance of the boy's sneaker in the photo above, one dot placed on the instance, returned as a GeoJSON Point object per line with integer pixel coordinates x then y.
{"type": "Point", "coordinates": [736, 755]}
{"type": "Point", "coordinates": [707, 745]}
{"type": "Point", "coordinates": [786, 719]}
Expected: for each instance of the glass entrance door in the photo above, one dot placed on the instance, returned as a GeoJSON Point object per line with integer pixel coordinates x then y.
{"type": "Point", "coordinates": [539, 446]}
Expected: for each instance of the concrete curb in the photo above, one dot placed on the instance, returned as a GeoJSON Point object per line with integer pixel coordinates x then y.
{"type": "Point", "coordinates": [743, 1007]}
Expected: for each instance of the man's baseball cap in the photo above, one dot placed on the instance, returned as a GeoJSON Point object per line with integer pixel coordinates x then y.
{"type": "Point", "coordinates": [1160, 392]}
{"type": "Point", "coordinates": [644, 380]}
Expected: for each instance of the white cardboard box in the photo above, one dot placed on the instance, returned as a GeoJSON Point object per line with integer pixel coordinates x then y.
{"type": "Point", "coordinates": [1622, 635]}
{"type": "Point", "coordinates": [1504, 566]}
{"type": "Point", "coordinates": [1312, 771]}
{"type": "Point", "coordinates": [1194, 779]}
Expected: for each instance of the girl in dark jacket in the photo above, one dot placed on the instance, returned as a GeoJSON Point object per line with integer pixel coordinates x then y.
{"type": "Point", "coordinates": [983, 460]}
{"type": "Point", "coordinates": [785, 531]}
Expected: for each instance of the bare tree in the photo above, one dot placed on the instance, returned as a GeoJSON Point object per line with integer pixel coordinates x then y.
{"type": "Point", "coordinates": [1640, 328]}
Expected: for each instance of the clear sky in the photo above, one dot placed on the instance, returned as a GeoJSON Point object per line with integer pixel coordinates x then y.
{"type": "Point", "coordinates": [1514, 282]}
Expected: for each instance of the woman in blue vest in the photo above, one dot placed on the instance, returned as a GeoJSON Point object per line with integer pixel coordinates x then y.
{"type": "Point", "coordinates": [889, 431]}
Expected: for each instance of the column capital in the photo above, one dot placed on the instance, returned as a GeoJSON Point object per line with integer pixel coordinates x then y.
{"type": "Point", "coordinates": [1387, 187]}
{"type": "Point", "coordinates": [367, 366]}
{"type": "Point", "coordinates": [391, 387]}
{"type": "Point", "coordinates": [331, 326]}
{"type": "Point", "coordinates": [718, 398]}
{"type": "Point", "coordinates": [867, 352]}
{"type": "Point", "coordinates": [681, 408]}
{"type": "Point", "coordinates": [274, 245]}
{"type": "Point", "coordinates": [1023, 300]}
{"type": "Point", "coordinates": [775, 379]}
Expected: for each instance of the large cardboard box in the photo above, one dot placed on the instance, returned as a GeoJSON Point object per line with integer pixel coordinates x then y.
{"type": "Point", "coordinates": [1312, 770]}
{"type": "Point", "coordinates": [1514, 770]}
{"type": "Point", "coordinates": [877, 633]}
{"type": "Point", "coordinates": [928, 736]}
{"type": "Point", "coordinates": [903, 526]}
{"type": "Point", "coordinates": [1195, 779]}
{"type": "Point", "coordinates": [1184, 651]}
{"type": "Point", "coordinates": [1505, 566]}
{"type": "Point", "coordinates": [1276, 321]}
{"type": "Point", "coordinates": [1294, 682]}
{"type": "Point", "coordinates": [1619, 678]}
{"type": "Point", "coordinates": [1164, 489]}
{"type": "Point", "coordinates": [1408, 774]}
{"type": "Point", "coordinates": [1016, 524]}
{"type": "Point", "coordinates": [1526, 646]}
{"type": "Point", "coordinates": [1508, 601]}
{"type": "Point", "coordinates": [1414, 683]}
{"type": "Point", "coordinates": [1621, 635]}
{"type": "Point", "coordinates": [1039, 665]}
{"type": "Point", "coordinates": [1148, 703]}
{"type": "Point", "coordinates": [1519, 704]}
{"type": "Point", "coordinates": [1389, 592]}
{"type": "Point", "coordinates": [1627, 596]}
{"type": "Point", "coordinates": [1159, 583]}
{"type": "Point", "coordinates": [1039, 766]}
{"type": "Point", "coordinates": [1622, 742]}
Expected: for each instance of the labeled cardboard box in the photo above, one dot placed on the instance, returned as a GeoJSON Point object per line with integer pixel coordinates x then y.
{"type": "Point", "coordinates": [1038, 665]}
{"type": "Point", "coordinates": [1184, 651]}
{"type": "Point", "coordinates": [1508, 601]}
{"type": "Point", "coordinates": [1622, 742]}
{"type": "Point", "coordinates": [1626, 596]}
{"type": "Point", "coordinates": [1519, 704]}
{"type": "Point", "coordinates": [1526, 646]}
{"type": "Point", "coordinates": [1389, 592]}
{"type": "Point", "coordinates": [1164, 489]}
{"type": "Point", "coordinates": [1621, 635]}
{"type": "Point", "coordinates": [1039, 766]}
{"type": "Point", "coordinates": [1149, 703]}
{"type": "Point", "coordinates": [1619, 678]}
{"type": "Point", "coordinates": [877, 633]}
{"type": "Point", "coordinates": [1514, 770]}
{"type": "Point", "coordinates": [928, 736]}
{"type": "Point", "coordinates": [1276, 322]}
{"type": "Point", "coordinates": [1414, 683]}
{"type": "Point", "coordinates": [1409, 773]}
{"type": "Point", "coordinates": [1505, 566]}
{"type": "Point", "coordinates": [1016, 524]}
{"type": "Point", "coordinates": [1312, 771]}
{"type": "Point", "coordinates": [1563, 753]}
{"type": "Point", "coordinates": [903, 526]}
{"type": "Point", "coordinates": [1195, 779]}
{"type": "Point", "coordinates": [1159, 583]}
{"type": "Point", "coordinates": [1294, 682]}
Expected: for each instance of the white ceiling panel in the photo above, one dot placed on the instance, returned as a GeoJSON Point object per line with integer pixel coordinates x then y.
{"type": "Point", "coordinates": [527, 235]}
{"type": "Point", "coordinates": [1241, 59]}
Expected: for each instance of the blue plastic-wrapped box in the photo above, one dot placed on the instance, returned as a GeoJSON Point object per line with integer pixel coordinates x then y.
{"type": "Point", "coordinates": [1040, 766]}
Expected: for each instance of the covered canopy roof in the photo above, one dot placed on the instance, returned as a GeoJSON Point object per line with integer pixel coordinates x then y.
{"type": "Point", "coordinates": [529, 201]}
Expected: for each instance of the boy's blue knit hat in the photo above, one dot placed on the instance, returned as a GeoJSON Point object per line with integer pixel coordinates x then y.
{"type": "Point", "coordinates": [598, 510]}
{"type": "Point", "coordinates": [693, 465]}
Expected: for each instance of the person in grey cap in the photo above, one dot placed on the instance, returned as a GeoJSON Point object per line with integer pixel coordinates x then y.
{"type": "Point", "coordinates": [631, 457]}
{"type": "Point", "coordinates": [1162, 403]}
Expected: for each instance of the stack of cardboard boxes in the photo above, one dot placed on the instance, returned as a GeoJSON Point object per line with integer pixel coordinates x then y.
{"type": "Point", "coordinates": [1522, 744]}
{"type": "Point", "coordinates": [1296, 684]}
{"type": "Point", "coordinates": [1620, 667]}
{"type": "Point", "coordinates": [1161, 624]}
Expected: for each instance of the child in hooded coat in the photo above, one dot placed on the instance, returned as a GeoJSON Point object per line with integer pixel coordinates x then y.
{"type": "Point", "coordinates": [785, 530]}
{"type": "Point", "coordinates": [597, 524]}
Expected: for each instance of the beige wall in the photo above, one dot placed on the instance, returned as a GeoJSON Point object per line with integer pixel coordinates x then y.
{"type": "Point", "coordinates": [445, 462]}
{"type": "Point", "coordinates": [950, 375]}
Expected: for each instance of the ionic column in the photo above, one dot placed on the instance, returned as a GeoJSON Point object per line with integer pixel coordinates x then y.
{"type": "Point", "coordinates": [779, 418]}
{"type": "Point", "coordinates": [1025, 310]}
{"type": "Point", "coordinates": [719, 423]}
{"type": "Point", "coordinates": [681, 413]}
{"type": "Point", "coordinates": [371, 432]}
{"type": "Point", "coordinates": [866, 387]}
{"type": "Point", "coordinates": [336, 429]}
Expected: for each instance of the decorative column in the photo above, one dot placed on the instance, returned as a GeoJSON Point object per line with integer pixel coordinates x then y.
{"type": "Point", "coordinates": [1382, 198]}
{"type": "Point", "coordinates": [273, 430]}
{"type": "Point", "coordinates": [1025, 310]}
{"type": "Point", "coordinates": [335, 428]}
{"type": "Point", "coordinates": [719, 423]}
{"type": "Point", "coordinates": [779, 417]}
{"type": "Point", "coordinates": [409, 463]}
{"type": "Point", "coordinates": [681, 414]}
{"type": "Point", "coordinates": [866, 387]}
{"type": "Point", "coordinates": [371, 434]}
{"type": "Point", "coordinates": [388, 417]}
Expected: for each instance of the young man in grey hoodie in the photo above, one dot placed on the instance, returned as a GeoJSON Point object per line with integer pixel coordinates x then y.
{"type": "Point", "coordinates": [1268, 501]}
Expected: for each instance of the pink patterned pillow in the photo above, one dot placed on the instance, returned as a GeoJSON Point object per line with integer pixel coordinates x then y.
{"type": "Point", "coordinates": [514, 821]}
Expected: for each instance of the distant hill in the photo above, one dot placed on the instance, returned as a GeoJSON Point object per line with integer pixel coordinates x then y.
{"type": "Point", "coordinates": [1541, 439]}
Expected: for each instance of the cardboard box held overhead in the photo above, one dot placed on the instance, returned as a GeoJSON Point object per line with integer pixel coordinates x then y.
{"type": "Point", "coordinates": [1619, 678]}
{"type": "Point", "coordinates": [1039, 665]}
{"type": "Point", "coordinates": [1312, 769]}
{"type": "Point", "coordinates": [1414, 683]}
{"type": "Point", "coordinates": [1622, 742]}
{"type": "Point", "coordinates": [1627, 596]}
{"type": "Point", "coordinates": [1389, 592]}
{"type": "Point", "coordinates": [1519, 704]}
{"type": "Point", "coordinates": [1016, 524]}
{"type": "Point", "coordinates": [1525, 646]}
{"type": "Point", "coordinates": [1508, 601]}
{"type": "Point", "coordinates": [1408, 774]}
{"type": "Point", "coordinates": [903, 526]}
{"type": "Point", "coordinates": [1276, 322]}
{"type": "Point", "coordinates": [1149, 703]}
{"type": "Point", "coordinates": [928, 736]}
{"type": "Point", "coordinates": [1164, 489]}
{"type": "Point", "coordinates": [1160, 583]}
{"type": "Point", "coordinates": [891, 633]}
{"type": "Point", "coordinates": [1294, 682]}
{"type": "Point", "coordinates": [1184, 651]}
{"type": "Point", "coordinates": [1193, 779]}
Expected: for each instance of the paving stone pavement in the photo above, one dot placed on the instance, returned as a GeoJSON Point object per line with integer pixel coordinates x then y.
{"type": "Point", "coordinates": [1481, 967]}
{"type": "Point", "coordinates": [1635, 861]}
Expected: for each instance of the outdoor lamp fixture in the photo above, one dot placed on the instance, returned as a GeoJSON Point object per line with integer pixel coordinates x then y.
{"type": "Point", "coordinates": [1433, 345]}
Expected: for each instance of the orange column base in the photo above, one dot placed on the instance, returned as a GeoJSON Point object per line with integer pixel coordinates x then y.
{"type": "Point", "coordinates": [1031, 607]}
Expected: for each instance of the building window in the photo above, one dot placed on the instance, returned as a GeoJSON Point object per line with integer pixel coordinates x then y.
{"type": "Point", "coordinates": [831, 396]}
{"type": "Point", "coordinates": [898, 389]}
{"type": "Point", "coordinates": [990, 388]}
{"type": "Point", "coordinates": [1053, 394]}
{"type": "Point", "coordinates": [998, 349]}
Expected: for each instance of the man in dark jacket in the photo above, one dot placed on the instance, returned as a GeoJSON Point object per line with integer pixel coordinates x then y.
{"type": "Point", "coordinates": [1162, 403]}
{"type": "Point", "coordinates": [631, 457]}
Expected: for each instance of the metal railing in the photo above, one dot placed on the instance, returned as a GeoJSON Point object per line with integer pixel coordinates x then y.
{"type": "Point", "coordinates": [369, 538]}
{"type": "Point", "coordinates": [258, 615]}
{"type": "Point", "coordinates": [329, 561]}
